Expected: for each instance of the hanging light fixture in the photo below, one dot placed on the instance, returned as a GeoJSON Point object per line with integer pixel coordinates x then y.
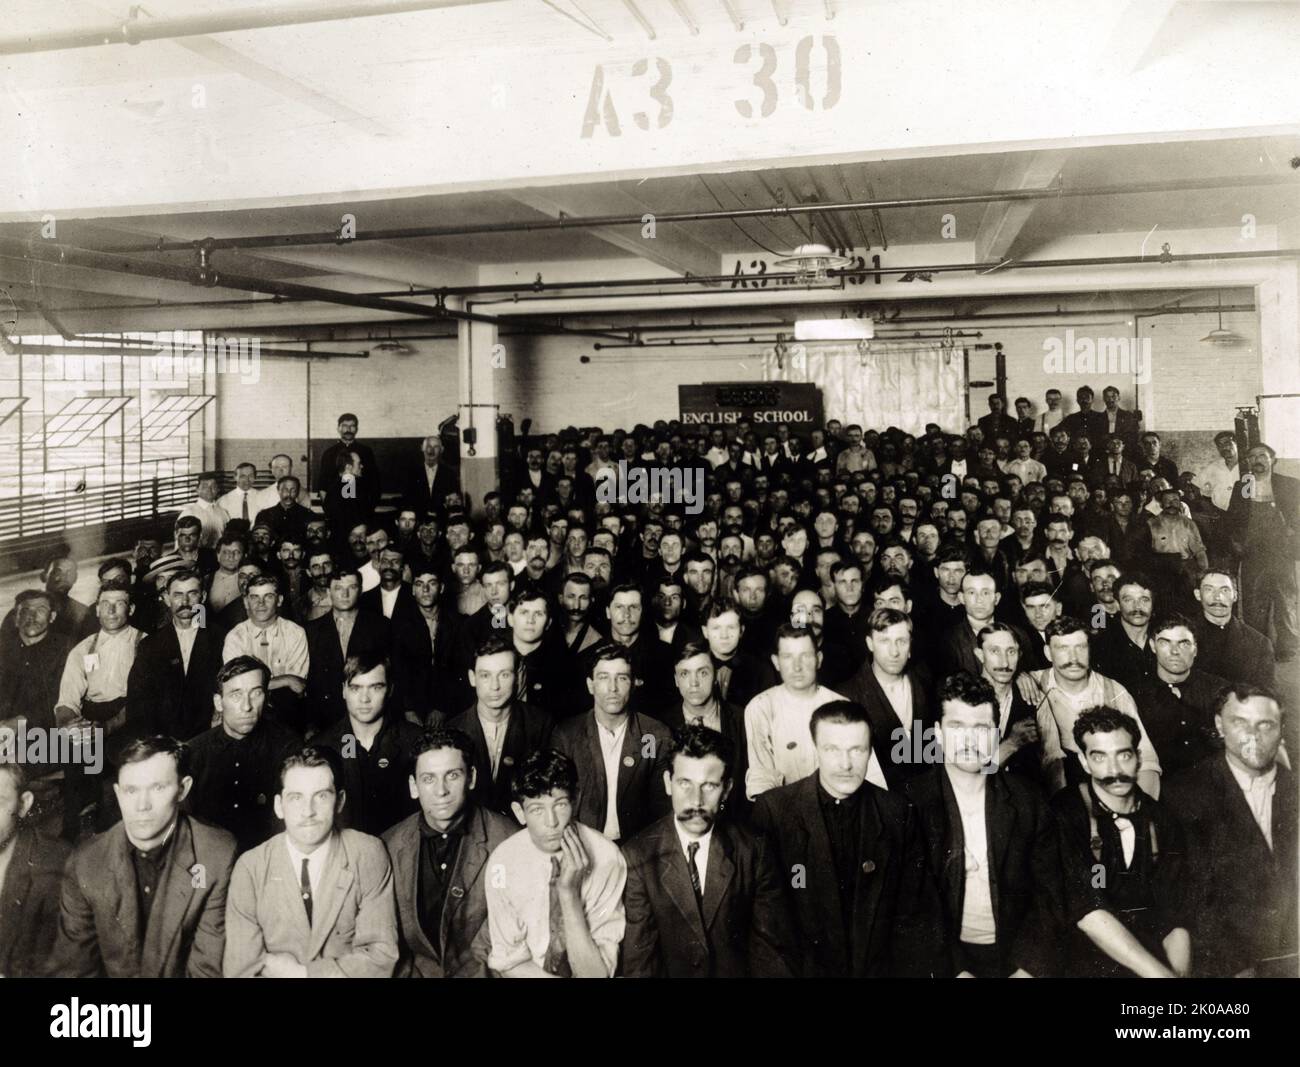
{"type": "Point", "coordinates": [811, 263]}
{"type": "Point", "coordinates": [1220, 336]}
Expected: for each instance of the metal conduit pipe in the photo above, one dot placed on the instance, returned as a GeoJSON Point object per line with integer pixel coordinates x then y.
{"type": "Point", "coordinates": [781, 338]}
{"type": "Point", "coordinates": [582, 222]}
{"type": "Point", "coordinates": [134, 30]}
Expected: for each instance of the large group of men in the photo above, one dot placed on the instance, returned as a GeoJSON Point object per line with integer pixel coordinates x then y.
{"type": "Point", "coordinates": [993, 703]}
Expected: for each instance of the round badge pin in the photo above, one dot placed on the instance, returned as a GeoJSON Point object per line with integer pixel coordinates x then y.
{"type": "Point", "coordinates": [628, 761]}
{"type": "Point", "coordinates": [457, 892]}
{"type": "Point", "coordinates": [868, 867]}
{"type": "Point", "coordinates": [509, 761]}
{"type": "Point", "coordinates": [383, 762]}
{"type": "Point", "coordinates": [793, 744]}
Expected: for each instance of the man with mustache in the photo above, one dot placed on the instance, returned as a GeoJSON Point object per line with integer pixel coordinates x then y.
{"type": "Point", "coordinates": [1121, 649]}
{"type": "Point", "coordinates": [1019, 750]}
{"type": "Point", "coordinates": [1229, 647]}
{"type": "Point", "coordinates": [704, 896]}
{"type": "Point", "coordinates": [1125, 861]}
{"type": "Point", "coordinates": [1238, 811]}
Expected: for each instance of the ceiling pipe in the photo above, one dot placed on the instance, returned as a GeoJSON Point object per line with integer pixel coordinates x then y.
{"type": "Point", "coordinates": [134, 30]}
{"type": "Point", "coordinates": [587, 222]}
{"type": "Point", "coordinates": [113, 347]}
{"type": "Point", "coordinates": [206, 276]}
{"type": "Point", "coordinates": [780, 338]}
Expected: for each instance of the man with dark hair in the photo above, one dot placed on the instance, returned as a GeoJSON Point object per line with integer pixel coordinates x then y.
{"type": "Point", "coordinates": [32, 656]}
{"type": "Point", "coordinates": [1124, 858]}
{"type": "Point", "coordinates": [1239, 812]}
{"type": "Point", "coordinates": [147, 898]}
{"type": "Point", "coordinates": [169, 689]}
{"type": "Point", "coordinates": [851, 866]}
{"type": "Point", "coordinates": [649, 658]}
{"type": "Point", "coordinates": [1229, 647]}
{"type": "Point", "coordinates": [847, 621]}
{"type": "Point", "coordinates": [999, 655]}
{"type": "Point", "coordinates": [277, 642]}
{"type": "Point", "coordinates": [1121, 649]}
{"type": "Point", "coordinates": [375, 743]}
{"type": "Point", "coordinates": [751, 593]}
{"type": "Point", "coordinates": [894, 691]}
{"type": "Point", "coordinates": [1002, 902]}
{"type": "Point", "coordinates": [502, 729]}
{"type": "Point", "coordinates": [704, 896]}
{"type": "Point", "coordinates": [440, 868]}
{"type": "Point", "coordinates": [980, 597]}
{"type": "Point", "coordinates": [31, 866]}
{"type": "Point", "coordinates": [997, 422]}
{"type": "Point", "coordinates": [234, 764]}
{"type": "Point", "coordinates": [348, 630]}
{"type": "Point", "coordinates": [1178, 700]}
{"type": "Point", "coordinates": [288, 518]}
{"type": "Point", "coordinates": [315, 901]}
{"type": "Point", "coordinates": [555, 900]}
{"type": "Point", "coordinates": [618, 752]}
{"type": "Point", "coordinates": [368, 487]}
{"type": "Point", "coordinates": [409, 648]}
{"type": "Point", "coordinates": [536, 644]}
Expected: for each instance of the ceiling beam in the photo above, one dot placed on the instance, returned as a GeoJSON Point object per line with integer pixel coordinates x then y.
{"type": "Point", "coordinates": [1002, 222]}
{"type": "Point", "coordinates": [670, 247]}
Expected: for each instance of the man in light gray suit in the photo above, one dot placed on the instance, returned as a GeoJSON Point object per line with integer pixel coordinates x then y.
{"type": "Point", "coordinates": [314, 901]}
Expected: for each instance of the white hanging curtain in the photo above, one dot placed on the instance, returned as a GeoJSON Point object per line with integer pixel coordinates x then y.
{"type": "Point", "coordinates": [891, 383]}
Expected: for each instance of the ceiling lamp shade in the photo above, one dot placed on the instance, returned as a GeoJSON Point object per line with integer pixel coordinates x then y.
{"type": "Point", "coordinates": [1219, 336]}
{"type": "Point", "coordinates": [811, 262]}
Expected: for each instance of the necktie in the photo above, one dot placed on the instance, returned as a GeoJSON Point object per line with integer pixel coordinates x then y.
{"type": "Point", "coordinates": [245, 505]}
{"type": "Point", "coordinates": [557, 959]}
{"type": "Point", "coordinates": [724, 680]}
{"type": "Point", "coordinates": [306, 890]}
{"type": "Point", "coordinates": [691, 851]}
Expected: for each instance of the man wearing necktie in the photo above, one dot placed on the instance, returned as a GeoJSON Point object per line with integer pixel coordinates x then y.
{"type": "Point", "coordinates": [555, 897]}
{"type": "Point", "coordinates": [242, 502]}
{"type": "Point", "coordinates": [704, 896]}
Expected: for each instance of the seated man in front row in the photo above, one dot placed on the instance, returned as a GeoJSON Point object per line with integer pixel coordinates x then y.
{"type": "Point", "coordinates": [555, 894]}
{"type": "Point", "coordinates": [440, 865]}
{"type": "Point", "coordinates": [314, 901]}
{"type": "Point", "coordinates": [704, 895]}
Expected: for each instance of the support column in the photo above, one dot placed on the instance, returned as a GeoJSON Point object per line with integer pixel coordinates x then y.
{"type": "Point", "coordinates": [1279, 332]}
{"type": "Point", "coordinates": [478, 367]}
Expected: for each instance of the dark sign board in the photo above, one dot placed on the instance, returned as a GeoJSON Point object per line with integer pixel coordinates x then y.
{"type": "Point", "coordinates": [763, 403]}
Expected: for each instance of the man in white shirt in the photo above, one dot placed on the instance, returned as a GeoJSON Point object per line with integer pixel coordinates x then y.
{"type": "Point", "coordinates": [781, 747]}
{"type": "Point", "coordinates": [1217, 479]}
{"type": "Point", "coordinates": [242, 501]}
{"type": "Point", "coordinates": [717, 453]}
{"type": "Point", "coordinates": [1050, 418]}
{"type": "Point", "coordinates": [269, 497]}
{"type": "Point", "coordinates": [376, 542]}
{"type": "Point", "coordinates": [556, 909]}
{"type": "Point", "coordinates": [277, 642]}
{"type": "Point", "coordinates": [211, 515]}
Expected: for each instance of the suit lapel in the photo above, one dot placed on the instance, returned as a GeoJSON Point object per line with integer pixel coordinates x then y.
{"type": "Point", "coordinates": [599, 786]}
{"type": "Point", "coordinates": [472, 854]}
{"type": "Point", "coordinates": [676, 877]}
{"type": "Point", "coordinates": [820, 861]}
{"type": "Point", "coordinates": [175, 894]}
{"type": "Point", "coordinates": [628, 760]}
{"type": "Point", "coordinates": [14, 891]}
{"type": "Point", "coordinates": [335, 882]}
{"type": "Point", "coordinates": [122, 880]}
{"type": "Point", "coordinates": [287, 885]}
{"type": "Point", "coordinates": [720, 872]}
{"type": "Point", "coordinates": [872, 848]}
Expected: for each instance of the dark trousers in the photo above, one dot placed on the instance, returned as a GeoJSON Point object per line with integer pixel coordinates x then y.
{"type": "Point", "coordinates": [981, 960]}
{"type": "Point", "coordinates": [1268, 594]}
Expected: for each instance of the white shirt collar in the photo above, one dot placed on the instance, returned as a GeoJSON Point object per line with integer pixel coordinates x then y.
{"type": "Point", "coordinates": [315, 862]}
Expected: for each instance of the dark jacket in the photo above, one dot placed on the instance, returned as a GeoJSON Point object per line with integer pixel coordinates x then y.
{"type": "Point", "coordinates": [528, 730]}
{"type": "Point", "coordinates": [641, 797]}
{"type": "Point", "coordinates": [1237, 652]}
{"type": "Point", "coordinates": [99, 920]}
{"type": "Point", "coordinates": [162, 697]}
{"type": "Point", "coordinates": [740, 929]}
{"type": "Point", "coordinates": [370, 633]}
{"type": "Point", "coordinates": [1025, 880]}
{"type": "Point", "coordinates": [887, 738]}
{"type": "Point", "coordinates": [733, 728]}
{"type": "Point", "coordinates": [29, 903]}
{"type": "Point", "coordinates": [892, 896]}
{"type": "Point", "coordinates": [1242, 894]}
{"type": "Point", "coordinates": [464, 942]}
{"type": "Point", "coordinates": [410, 649]}
{"type": "Point", "coordinates": [376, 781]}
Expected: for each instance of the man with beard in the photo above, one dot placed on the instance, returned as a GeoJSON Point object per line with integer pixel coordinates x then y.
{"type": "Point", "coordinates": [1264, 525]}
{"type": "Point", "coordinates": [579, 633]}
{"type": "Point", "coordinates": [704, 897]}
{"type": "Point", "coordinates": [1238, 810]}
{"type": "Point", "coordinates": [294, 581]}
{"type": "Point", "coordinates": [234, 763]}
{"type": "Point", "coordinates": [169, 689]}
{"type": "Point", "coordinates": [375, 745]}
{"type": "Point", "coordinates": [502, 729]}
{"type": "Point", "coordinates": [316, 602]}
{"type": "Point", "coordinates": [618, 751]}
{"type": "Point", "coordinates": [348, 630]}
{"type": "Point", "coordinates": [895, 693]}
{"type": "Point", "coordinates": [368, 486]}
{"type": "Point", "coordinates": [1229, 647]}
{"type": "Point", "coordinates": [440, 869]}
{"type": "Point", "coordinates": [1122, 651]}
{"type": "Point", "coordinates": [731, 549]}
{"type": "Point", "coordinates": [1125, 861]}
{"type": "Point", "coordinates": [537, 550]}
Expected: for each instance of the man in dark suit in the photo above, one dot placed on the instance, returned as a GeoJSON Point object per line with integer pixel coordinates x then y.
{"type": "Point", "coordinates": [619, 753]}
{"type": "Point", "coordinates": [1085, 422]}
{"type": "Point", "coordinates": [146, 899]}
{"type": "Point", "coordinates": [704, 897]}
{"type": "Point", "coordinates": [1126, 425]}
{"type": "Point", "coordinates": [410, 649]}
{"type": "Point", "coordinates": [992, 845]}
{"type": "Point", "coordinates": [31, 866]}
{"type": "Point", "coordinates": [369, 488]}
{"type": "Point", "coordinates": [235, 764]}
{"type": "Point", "coordinates": [851, 864]}
{"type": "Point", "coordinates": [429, 481]}
{"type": "Point", "coordinates": [1238, 811]}
{"type": "Point", "coordinates": [895, 692]}
{"type": "Point", "coordinates": [997, 423]}
{"type": "Point", "coordinates": [1227, 646]}
{"type": "Point", "coordinates": [169, 689]}
{"type": "Point", "coordinates": [345, 631]}
{"type": "Point", "coordinates": [650, 658]}
{"type": "Point", "coordinates": [342, 499]}
{"type": "Point", "coordinates": [1150, 459]}
{"type": "Point", "coordinates": [700, 702]}
{"type": "Point", "coordinates": [439, 859]}
{"type": "Point", "coordinates": [502, 730]}
{"type": "Point", "coordinates": [1264, 528]}
{"type": "Point", "coordinates": [1112, 464]}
